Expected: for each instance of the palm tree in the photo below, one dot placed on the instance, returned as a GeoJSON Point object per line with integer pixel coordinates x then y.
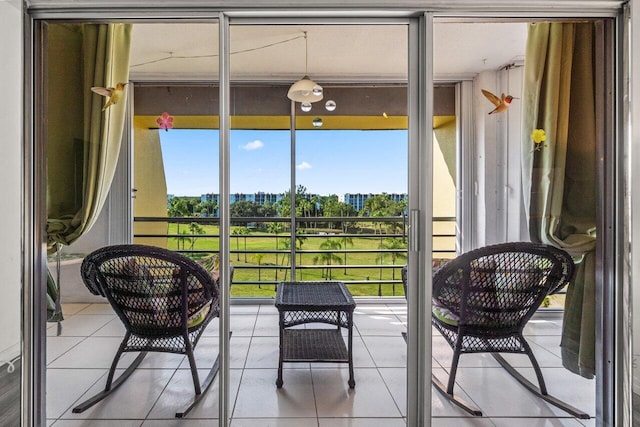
{"type": "Point", "coordinates": [286, 257]}
{"type": "Point", "coordinates": [394, 243]}
{"type": "Point", "coordinates": [315, 203]}
{"type": "Point", "coordinates": [182, 236]}
{"type": "Point", "coordinates": [241, 231]}
{"type": "Point", "coordinates": [300, 239]}
{"type": "Point", "coordinates": [275, 228]}
{"type": "Point", "coordinates": [326, 258]}
{"type": "Point", "coordinates": [194, 228]}
{"type": "Point", "coordinates": [258, 259]}
{"type": "Point", "coordinates": [245, 232]}
{"type": "Point", "coordinates": [236, 232]}
{"type": "Point", "coordinates": [304, 209]}
{"type": "Point", "coordinates": [346, 240]}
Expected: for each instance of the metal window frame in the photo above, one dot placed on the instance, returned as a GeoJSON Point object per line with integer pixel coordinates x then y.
{"type": "Point", "coordinates": [34, 203]}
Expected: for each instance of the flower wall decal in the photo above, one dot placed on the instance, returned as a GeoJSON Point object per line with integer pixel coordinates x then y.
{"type": "Point", "coordinates": [539, 136]}
{"type": "Point", "coordinates": [165, 121]}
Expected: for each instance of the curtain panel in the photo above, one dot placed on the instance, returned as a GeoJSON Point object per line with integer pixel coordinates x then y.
{"type": "Point", "coordinates": [559, 174]}
{"type": "Point", "coordinates": [103, 62]}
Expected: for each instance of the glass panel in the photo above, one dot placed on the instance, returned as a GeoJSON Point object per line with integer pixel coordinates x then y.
{"type": "Point", "coordinates": [372, 106]}
{"type": "Point", "coordinates": [172, 145]}
{"type": "Point", "coordinates": [353, 173]}
{"type": "Point", "coordinates": [260, 154]}
{"type": "Point", "coordinates": [190, 159]}
{"type": "Point", "coordinates": [445, 128]}
{"type": "Point", "coordinates": [260, 182]}
{"type": "Point", "coordinates": [351, 159]}
{"type": "Point", "coordinates": [317, 166]}
{"type": "Point", "coordinates": [495, 193]}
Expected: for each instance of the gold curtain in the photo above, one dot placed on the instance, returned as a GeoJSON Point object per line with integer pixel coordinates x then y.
{"type": "Point", "coordinates": [560, 175]}
{"type": "Point", "coordinates": [102, 60]}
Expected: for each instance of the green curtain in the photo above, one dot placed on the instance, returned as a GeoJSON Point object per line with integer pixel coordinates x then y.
{"type": "Point", "coordinates": [560, 175]}
{"type": "Point", "coordinates": [105, 50]}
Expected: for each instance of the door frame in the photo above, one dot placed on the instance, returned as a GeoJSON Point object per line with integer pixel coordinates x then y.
{"type": "Point", "coordinates": [34, 180]}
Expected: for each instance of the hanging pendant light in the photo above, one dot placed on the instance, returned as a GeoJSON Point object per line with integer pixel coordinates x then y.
{"type": "Point", "coordinates": [305, 90]}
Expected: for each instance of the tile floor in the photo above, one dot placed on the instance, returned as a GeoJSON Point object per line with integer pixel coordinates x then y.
{"type": "Point", "coordinates": [314, 395]}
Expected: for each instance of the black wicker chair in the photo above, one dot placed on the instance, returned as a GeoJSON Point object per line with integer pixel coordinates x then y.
{"type": "Point", "coordinates": [483, 299]}
{"type": "Point", "coordinates": [165, 301]}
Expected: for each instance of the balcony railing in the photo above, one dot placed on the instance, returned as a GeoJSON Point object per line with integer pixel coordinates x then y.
{"type": "Point", "coordinates": [366, 253]}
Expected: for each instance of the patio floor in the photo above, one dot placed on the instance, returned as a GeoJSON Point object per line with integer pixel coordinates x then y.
{"type": "Point", "coordinates": [313, 395]}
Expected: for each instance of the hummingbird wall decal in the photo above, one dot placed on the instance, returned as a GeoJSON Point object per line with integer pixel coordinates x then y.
{"type": "Point", "coordinates": [502, 104]}
{"type": "Point", "coordinates": [113, 94]}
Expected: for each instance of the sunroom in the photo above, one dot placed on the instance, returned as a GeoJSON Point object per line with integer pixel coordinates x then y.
{"type": "Point", "coordinates": [208, 106]}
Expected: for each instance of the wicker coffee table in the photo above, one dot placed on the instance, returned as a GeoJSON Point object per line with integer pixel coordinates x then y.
{"type": "Point", "coordinates": [315, 302]}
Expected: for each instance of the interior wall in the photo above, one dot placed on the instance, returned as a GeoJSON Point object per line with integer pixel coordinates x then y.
{"type": "Point", "coordinates": [10, 177]}
{"type": "Point", "coordinates": [513, 221]}
{"type": "Point", "coordinates": [11, 109]}
{"type": "Point", "coordinates": [485, 157]}
{"type": "Point", "coordinates": [497, 156]}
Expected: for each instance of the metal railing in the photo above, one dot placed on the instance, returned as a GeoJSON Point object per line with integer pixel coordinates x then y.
{"type": "Point", "coordinates": [366, 253]}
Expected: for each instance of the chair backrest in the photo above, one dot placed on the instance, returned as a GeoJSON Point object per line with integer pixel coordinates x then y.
{"type": "Point", "coordinates": [155, 291]}
{"type": "Point", "coordinates": [436, 264]}
{"type": "Point", "coordinates": [501, 286]}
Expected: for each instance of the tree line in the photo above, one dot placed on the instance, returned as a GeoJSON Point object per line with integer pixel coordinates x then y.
{"type": "Point", "coordinates": [307, 206]}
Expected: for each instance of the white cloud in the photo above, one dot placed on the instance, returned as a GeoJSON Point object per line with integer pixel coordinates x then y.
{"type": "Point", "coordinates": [303, 165]}
{"type": "Point", "coordinates": [253, 145]}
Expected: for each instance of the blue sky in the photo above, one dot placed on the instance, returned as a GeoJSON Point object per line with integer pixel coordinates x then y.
{"type": "Point", "coordinates": [327, 161]}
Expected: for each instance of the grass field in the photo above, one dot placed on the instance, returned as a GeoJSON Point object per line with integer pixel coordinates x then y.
{"type": "Point", "coordinates": [258, 265]}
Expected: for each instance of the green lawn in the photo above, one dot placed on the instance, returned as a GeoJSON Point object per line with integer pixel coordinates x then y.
{"type": "Point", "coordinates": [275, 267]}
{"type": "Point", "coordinates": [272, 269]}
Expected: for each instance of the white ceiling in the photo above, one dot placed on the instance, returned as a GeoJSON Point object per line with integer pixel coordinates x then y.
{"type": "Point", "coordinates": [349, 53]}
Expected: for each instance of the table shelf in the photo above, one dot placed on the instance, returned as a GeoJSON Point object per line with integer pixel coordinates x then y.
{"type": "Point", "coordinates": [314, 345]}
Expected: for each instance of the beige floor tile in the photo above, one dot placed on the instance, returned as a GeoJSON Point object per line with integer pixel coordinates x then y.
{"type": "Point", "coordinates": [370, 398]}
{"type": "Point", "coordinates": [361, 422]}
{"type": "Point", "coordinates": [132, 400]}
{"type": "Point", "coordinates": [314, 395]}
{"type": "Point", "coordinates": [258, 396]}
{"type": "Point", "coordinates": [274, 422]}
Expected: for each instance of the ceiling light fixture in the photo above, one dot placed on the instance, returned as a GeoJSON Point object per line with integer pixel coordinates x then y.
{"type": "Point", "coordinates": [305, 90]}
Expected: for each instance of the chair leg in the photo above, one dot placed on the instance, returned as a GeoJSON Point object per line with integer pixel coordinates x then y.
{"type": "Point", "coordinates": [194, 370]}
{"type": "Point", "coordinates": [536, 367]}
{"type": "Point", "coordinates": [111, 385]}
{"type": "Point", "coordinates": [456, 400]}
{"type": "Point", "coordinates": [454, 367]}
{"type": "Point", "coordinates": [450, 396]}
{"type": "Point", "coordinates": [448, 392]}
{"type": "Point", "coordinates": [200, 388]}
{"type": "Point", "coordinates": [204, 386]}
{"type": "Point", "coordinates": [535, 390]}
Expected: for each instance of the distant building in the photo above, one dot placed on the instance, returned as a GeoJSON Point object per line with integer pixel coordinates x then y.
{"type": "Point", "coordinates": [258, 198]}
{"type": "Point", "coordinates": [210, 197]}
{"type": "Point", "coordinates": [237, 197]}
{"type": "Point", "coordinates": [357, 200]}
{"type": "Point", "coordinates": [261, 198]}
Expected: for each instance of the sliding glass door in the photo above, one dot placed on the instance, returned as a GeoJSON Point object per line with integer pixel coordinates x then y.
{"type": "Point", "coordinates": [336, 183]}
